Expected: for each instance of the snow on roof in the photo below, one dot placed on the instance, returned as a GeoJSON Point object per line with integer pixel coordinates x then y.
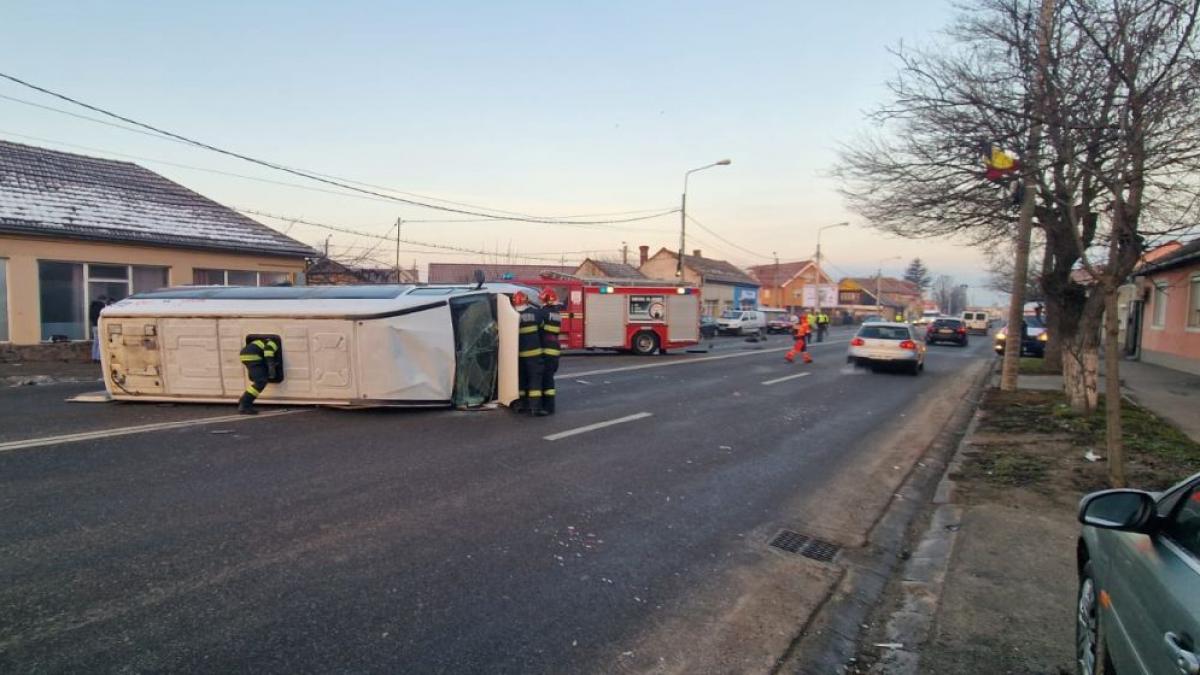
{"type": "Point", "coordinates": [52, 193]}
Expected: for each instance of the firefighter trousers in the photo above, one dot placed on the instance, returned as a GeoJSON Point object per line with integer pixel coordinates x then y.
{"type": "Point", "coordinates": [801, 347]}
{"type": "Point", "coordinates": [529, 382]}
{"type": "Point", "coordinates": [257, 373]}
{"type": "Point", "coordinates": [549, 368]}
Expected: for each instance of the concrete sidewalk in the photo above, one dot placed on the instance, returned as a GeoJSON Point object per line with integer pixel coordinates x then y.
{"type": "Point", "coordinates": [1170, 394]}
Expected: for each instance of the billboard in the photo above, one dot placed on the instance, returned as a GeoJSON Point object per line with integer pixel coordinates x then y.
{"type": "Point", "coordinates": [829, 295]}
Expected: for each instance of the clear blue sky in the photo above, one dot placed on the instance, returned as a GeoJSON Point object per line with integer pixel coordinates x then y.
{"type": "Point", "coordinates": [539, 107]}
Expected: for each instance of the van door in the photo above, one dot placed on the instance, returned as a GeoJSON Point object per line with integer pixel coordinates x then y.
{"type": "Point", "coordinates": [476, 349]}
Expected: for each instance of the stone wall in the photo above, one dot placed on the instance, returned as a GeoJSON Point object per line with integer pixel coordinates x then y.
{"type": "Point", "coordinates": [62, 352]}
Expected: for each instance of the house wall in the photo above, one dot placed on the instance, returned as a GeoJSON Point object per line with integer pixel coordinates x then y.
{"type": "Point", "coordinates": [662, 266]}
{"type": "Point", "coordinates": [23, 253]}
{"type": "Point", "coordinates": [1174, 344]}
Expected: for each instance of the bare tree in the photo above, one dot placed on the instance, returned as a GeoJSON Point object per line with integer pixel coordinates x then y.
{"type": "Point", "coordinates": [1116, 167]}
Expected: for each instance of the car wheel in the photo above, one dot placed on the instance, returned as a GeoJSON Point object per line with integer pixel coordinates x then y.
{"type": "Point", "coordinates": [645, 343]}
{"type": "Point", "coordinates": [915, 369]}
{"type": "Point", "coordinates": [1091, 649]}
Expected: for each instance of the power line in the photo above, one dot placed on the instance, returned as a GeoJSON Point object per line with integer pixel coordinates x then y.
{"type": "Point", "coordinates": [370, 235]}
{"type": "Point", "coordinates": [740, 248]}
{"type": "Point", "coordinates": [312, 176]}
{"type": "Point", "coordinates": [311, 188]}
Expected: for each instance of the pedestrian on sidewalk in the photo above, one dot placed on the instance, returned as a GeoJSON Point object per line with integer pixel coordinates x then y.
{"type": "Point", "coordinates": [803, 332]}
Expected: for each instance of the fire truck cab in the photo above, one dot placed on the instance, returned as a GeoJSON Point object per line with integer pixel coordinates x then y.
{"type": "Point", "coordinates": [643, 316]}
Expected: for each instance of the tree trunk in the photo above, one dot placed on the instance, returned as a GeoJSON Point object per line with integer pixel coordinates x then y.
{"type": "Point", "coordinates": [1081, 356]}
{"type": "Point", "coordinates": [1112, 392]}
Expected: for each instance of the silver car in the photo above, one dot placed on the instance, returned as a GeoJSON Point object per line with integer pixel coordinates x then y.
{"type": "Point", "coordinates": [1139, 581]}
{"type": "Point", "coordinates": [881, 343]}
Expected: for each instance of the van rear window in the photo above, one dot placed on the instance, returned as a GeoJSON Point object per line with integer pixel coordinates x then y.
{"type": "Point", "coordinates": [884, 332]}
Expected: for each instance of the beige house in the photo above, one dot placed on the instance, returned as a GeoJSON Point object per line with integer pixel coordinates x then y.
{"type": "Point", "coordinates": [722, 285]}
{"type": "Point", "coordinates": [77, 232]}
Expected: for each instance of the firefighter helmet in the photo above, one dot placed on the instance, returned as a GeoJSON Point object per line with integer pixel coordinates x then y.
{"type": "Point", "coordinates": [519, 298]}
{"type": "Point", "coordinates": [548, 296]}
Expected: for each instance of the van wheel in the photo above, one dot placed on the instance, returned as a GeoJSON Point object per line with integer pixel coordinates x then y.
{"type": "Point", "coordinates": [645, 343]}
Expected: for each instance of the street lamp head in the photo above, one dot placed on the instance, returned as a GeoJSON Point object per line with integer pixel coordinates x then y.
{"type": "Point", "coordinates": [724, 162]}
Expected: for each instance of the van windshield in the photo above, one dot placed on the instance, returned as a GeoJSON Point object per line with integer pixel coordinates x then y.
{"type": "Point", "coordinates": [729, 314]}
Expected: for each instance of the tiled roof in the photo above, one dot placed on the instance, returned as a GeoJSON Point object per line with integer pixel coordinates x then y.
{"type": "Point", "coordinates": [778, 275]}
{"type": "Point", "coordinates": [712, 270]}
{"type": "Point", "coordinates": [1187, 254]}
{"type": "Point", "coordinates": [52, 193]}
{"type": "Point", "coordinates": [616, 270]}
{"type": "Point", "coordinates": [886, 285]}
{"type": "Point", "coordinates": [462, 273]}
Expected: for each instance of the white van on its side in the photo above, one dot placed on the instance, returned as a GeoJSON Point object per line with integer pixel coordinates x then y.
{"type": "Point", "coordinates": [742, 322]}
{"type": "Point", "coordinates": [976, 321]}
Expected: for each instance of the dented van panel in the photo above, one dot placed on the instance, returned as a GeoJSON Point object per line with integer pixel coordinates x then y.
{"type": "Point", "coordinates": [371, 350]}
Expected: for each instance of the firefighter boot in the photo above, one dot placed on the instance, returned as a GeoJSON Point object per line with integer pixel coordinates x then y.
{"type": "Point", "coordinates": [807, 358]}
{"type": "Point", "coordinates": [246, 405]}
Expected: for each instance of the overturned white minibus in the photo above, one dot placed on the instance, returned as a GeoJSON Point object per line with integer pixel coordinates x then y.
{"type": "Point", "coordinates": [380, 345]}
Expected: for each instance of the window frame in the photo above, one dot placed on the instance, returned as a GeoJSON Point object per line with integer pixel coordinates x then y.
{"type": "Point", "coordinates": [87, 281]}
{"type": "Point", "coordinates": [225, 276]}
{"type": "Point", "coordinates": [1193, 304]}
{"type": "Point", "coordinates": [1159, 293]}
{"type": "Point", "coordinates": [6, 335]}
{"type": "Point", "coordinates": [1188, 494]}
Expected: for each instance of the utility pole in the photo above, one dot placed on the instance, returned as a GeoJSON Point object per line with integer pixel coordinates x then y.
{"type": "Point", "coordinates": [624, 253]}
{"type": "Point", "coordinates": [778, 287]}
{"type": "Point", "coordinates": [327, 238]}
{"type": "Point", "coordinates": [1030, 162]}
{"type": "Point", "coordinates": [819, 276]}
{"type": "Point", "coordinates": [683, 214]}
{"type": "Point", "coordinates": [399, 221]}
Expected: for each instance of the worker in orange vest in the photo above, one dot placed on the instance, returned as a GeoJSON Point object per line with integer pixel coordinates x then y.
{"type": "Point", "coordinates": [803, 332]}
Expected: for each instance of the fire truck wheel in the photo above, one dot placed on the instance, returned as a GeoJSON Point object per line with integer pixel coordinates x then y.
{"type": "Point", "coordinates": [645, 343]}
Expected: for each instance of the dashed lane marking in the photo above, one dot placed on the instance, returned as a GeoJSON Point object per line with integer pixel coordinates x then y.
{"type": "Point", "coordinates": [684, 362]}
{"type": "Point", "coordinates": [139, 429]}
{"type": "Point", "coordinates": [785, 379]}
{"type": "Point", "coordinates": [598, 425]}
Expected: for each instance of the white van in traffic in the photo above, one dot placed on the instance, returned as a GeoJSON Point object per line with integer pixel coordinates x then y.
{"type": "Point", "coordinates": [977, 321]}
{"type": "Point", "coordinates": [742, 322]}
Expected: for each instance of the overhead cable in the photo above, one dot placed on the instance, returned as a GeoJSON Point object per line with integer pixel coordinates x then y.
{"type": "Point", "coordinates": [313, 176]}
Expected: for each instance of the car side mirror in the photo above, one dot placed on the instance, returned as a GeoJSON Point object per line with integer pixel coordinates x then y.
{"type": "Point", "coordinates": [1126, 510]}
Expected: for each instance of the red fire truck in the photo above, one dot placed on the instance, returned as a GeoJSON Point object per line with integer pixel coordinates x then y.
{"type": "Point", "coordinates": [640, 315]}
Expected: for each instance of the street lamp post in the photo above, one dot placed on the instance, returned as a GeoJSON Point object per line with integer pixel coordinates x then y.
{"type": "Point", "coordinates": [879, 283]}
{"type": "Point", "coordinates": [683, 214]}
{"type": "Point", "coordinates": [819, 231]}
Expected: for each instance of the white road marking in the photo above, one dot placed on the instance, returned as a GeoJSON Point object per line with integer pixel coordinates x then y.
{"type": "Point", "coordinates": [139, 429]}
{"type": "Point", "coordinates": [598, 425]}
{"type": "Point", "coordinates": [684, 362]}
{"type": "Point", "coordinates": [785, 379]}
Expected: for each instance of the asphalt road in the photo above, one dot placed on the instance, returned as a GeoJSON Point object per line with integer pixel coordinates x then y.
{"type": "Point", "coordinates": [416, 541]}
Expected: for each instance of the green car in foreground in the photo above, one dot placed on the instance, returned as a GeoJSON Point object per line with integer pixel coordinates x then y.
{"type": "Point", "coordinates": [1139, 581]}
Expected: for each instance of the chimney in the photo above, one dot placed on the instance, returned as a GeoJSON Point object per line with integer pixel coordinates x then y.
{"type": "Point", "coordinates": [643, 254]}
{"type": "Point", "coordinates": [696, 253]}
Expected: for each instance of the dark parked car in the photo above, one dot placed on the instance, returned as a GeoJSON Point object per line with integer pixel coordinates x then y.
{"type": "Point", "coordinates": [946, 330]}
{"type": "Point", "coordinates": [783, 324]}
{"type": "Point", "coordinates": [1138, 607]}
{"type": "Point", "coordinates": [1033, 342]}
{"type": "Point", "coordinates": [708, 327]}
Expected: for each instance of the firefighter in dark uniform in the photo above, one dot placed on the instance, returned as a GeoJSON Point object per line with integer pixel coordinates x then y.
{"type": "Point", "coordinates": [529, 355]}
{"type": "Point", "coordinates": [257, 355]}
{"type": "Point", "coordinates": [551, 327]}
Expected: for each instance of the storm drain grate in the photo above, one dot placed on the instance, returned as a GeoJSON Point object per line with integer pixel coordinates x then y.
{"type": "Point", "coordinates": [809, 547]}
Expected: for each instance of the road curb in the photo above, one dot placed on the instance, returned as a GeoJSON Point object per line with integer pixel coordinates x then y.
{"type": "Point", "coordinates": [924, 575]}
{"type": "Point", "coordinates": [839, 623]}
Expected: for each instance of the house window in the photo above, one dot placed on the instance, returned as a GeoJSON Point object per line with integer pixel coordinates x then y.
{"type": "Point", "coordinates": [1159, 319]}
{"type": "Point", "coordinates": [72, 294]}
{"type": "Point", "coordinates": [3, 300]}
{"type": "Point", "coordinates": [206, 277]}
{"type": "Point", "coordinates": [1193, 317]}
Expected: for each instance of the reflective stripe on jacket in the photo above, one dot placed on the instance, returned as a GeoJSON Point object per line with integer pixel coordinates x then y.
{"type": "Point", "coordinates": [529, 343]}
{"type": "Point", "coordinates": [551, 326]}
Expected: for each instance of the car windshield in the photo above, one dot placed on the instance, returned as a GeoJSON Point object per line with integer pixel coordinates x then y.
{"type": "Point", "coordinates": [727, 314]}
{"type": "Point", "coordinates": [884, 332]}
